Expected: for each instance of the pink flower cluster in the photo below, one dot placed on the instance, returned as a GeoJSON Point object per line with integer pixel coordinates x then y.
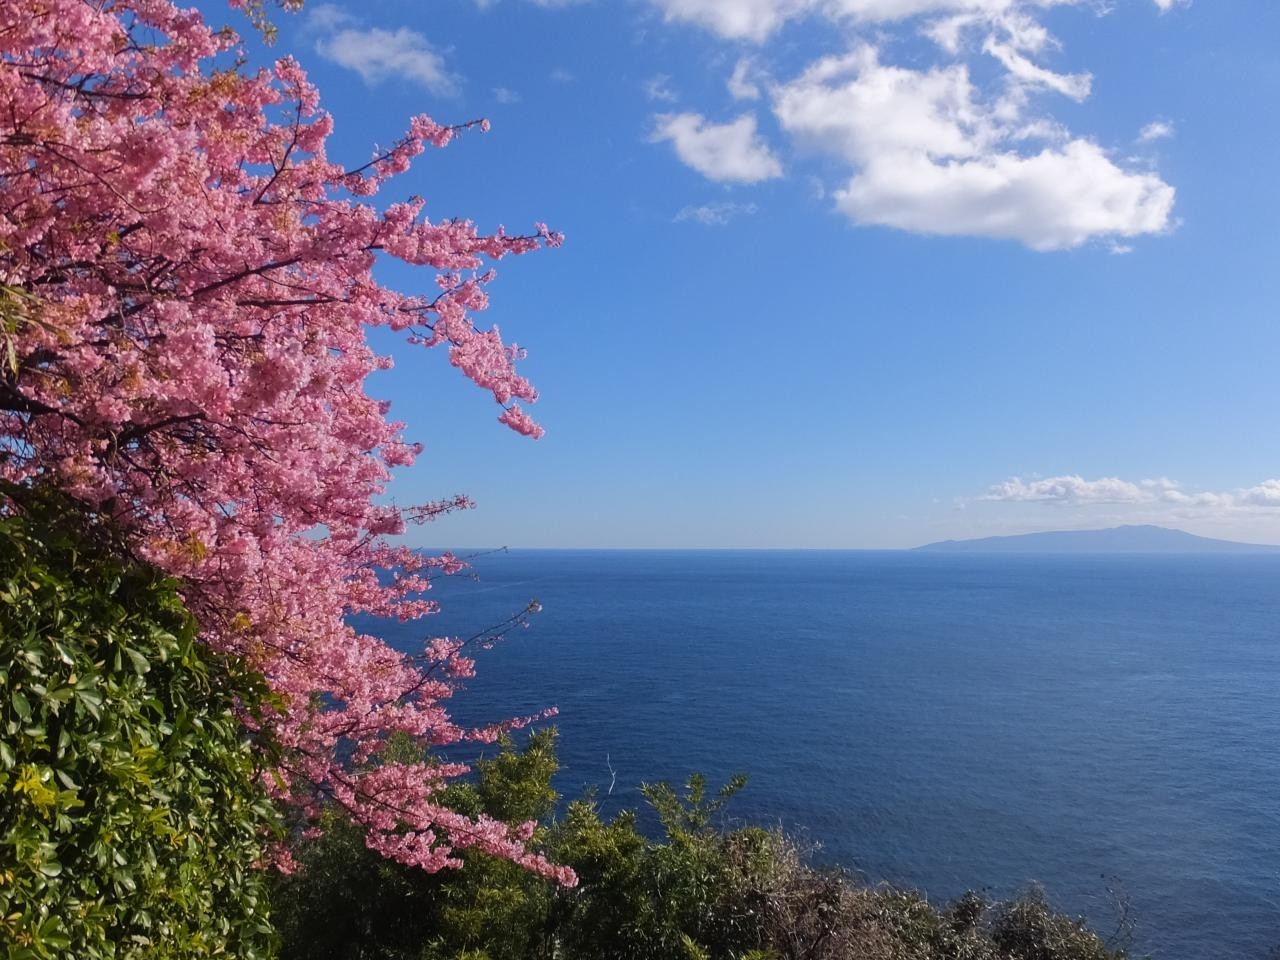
{"type": "Point", "coordinates": [186, 290]}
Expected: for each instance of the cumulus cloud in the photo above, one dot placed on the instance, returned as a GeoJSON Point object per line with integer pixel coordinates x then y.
{"type": "Point", "coordinates": [377, 54]}
{"type": "Point", "coordinates": [931, 154]}
{"type": "Point", "coordinates": [1068, 489]}
{"type": "Point", "coordinates": [756, 20]}
{"type": "Point", "coordinates": [1075, 490]}
{"type": "Point", "coordinates": [658, 87]}
{"type": "Point", "coordinates": [714, 214]}
{"type": "Point", "coordinates": [741, 85]}
{"type": "Point", "coordinates": [1265, 494]}
{"type": "Point", "coordinates": [1156, 130]}
{"type": "Point", "coordinates": [549, 4]}
{"type": "Point", "coordinates": [1053, 200]}
{"type": "Point", "coordinates": [727, 152]}
{"type": "Point", "coordinates": [1203, 499]}
{"type": "Point", "coordinates": [736, 19]}
{"type": "Point", "coordinates": [929, 148]}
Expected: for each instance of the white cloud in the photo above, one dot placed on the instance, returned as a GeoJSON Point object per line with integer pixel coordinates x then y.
{"type": "Point", "coordinates": [1074, 490]}
{"type": "Point", "coordinates": [377, 54]}
{"type": "Point", "coordinates": [1073, 85]}
{"type": "Point", "coordinates": [930, 149]}
{"type": "Point", "coordinates": [1156, 130]}
{"type": "Point", "coordinates": [1054, 200]}
{"type": "Point", "coordinates": [755, 20]}
{"type": "Point", "coordinates": [1167, 5]}
{"type": "Point", "coordinates": [658, 87]}
{"type": "Point", "coordinates": [930, 154]}
{"type": "Point", "coordinates": [740, 84]}
{"type": "Point", "coordinates": [1071, 489]}
{"type": "Point", "coordinates": [1205, 499]}
{"type": "Point", "coordinates": [714, 214]}
{"type": "Point", "coordinates": [736, 19]}
{"type": "Point", "coordinates": [1265, 494]}
{"type": "Point", "coordinates": [856, 107]}
{"type": "Point", "coordinates": [328, 16]}
{"type": "Point", "coordinates": [505, 95]}
{"type": "Point", "coordinates": [548, 4]}
{"type": "Point", "coordinates": [727, 152]}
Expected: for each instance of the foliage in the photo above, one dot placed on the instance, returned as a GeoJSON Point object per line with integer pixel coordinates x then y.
{"type": "Point", "coordinates": [131, 820]}
{"type": "Point", "coordinates": [698, 890]}
{"type": "Point", "coordinates": [1029, 929]}
{"type": "Point", "coordinates": [346, 903]}
{"type": "Point", "coordinates": [183, 348]}
{"type": "Point", "coordinates": [660, 900]}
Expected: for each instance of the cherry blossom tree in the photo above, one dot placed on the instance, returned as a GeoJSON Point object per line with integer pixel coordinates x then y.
{"type": "Point", "coordinates": [187, 293]}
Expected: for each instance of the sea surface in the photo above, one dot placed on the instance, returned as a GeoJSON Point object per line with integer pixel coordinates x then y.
{"type": "Point", "coordinates": [949, 722]}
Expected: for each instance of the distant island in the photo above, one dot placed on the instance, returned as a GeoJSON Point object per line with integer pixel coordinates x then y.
{"type": "Point", "coordinates": [1128, 539]}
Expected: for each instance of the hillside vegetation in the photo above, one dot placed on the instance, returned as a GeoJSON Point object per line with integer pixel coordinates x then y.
{"type": "Point", "coordinates": [697, 890]}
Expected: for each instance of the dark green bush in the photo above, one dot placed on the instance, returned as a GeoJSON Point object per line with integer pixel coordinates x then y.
{"type": "Point", "coordinates": [348, 903]}
{"type": "Point", "coordinates": [670, 900]}
{"type": "Point", "coordinates": [700, 891]}
{"type": "Point", "coordinates": [131, 820]}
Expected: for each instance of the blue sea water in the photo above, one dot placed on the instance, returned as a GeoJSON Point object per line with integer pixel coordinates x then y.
{"type": "Point", "coordinates": [942, 721]}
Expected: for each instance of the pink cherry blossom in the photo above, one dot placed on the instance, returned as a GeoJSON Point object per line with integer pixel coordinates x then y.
{"type": "Point", "coordinates": [186, 297]}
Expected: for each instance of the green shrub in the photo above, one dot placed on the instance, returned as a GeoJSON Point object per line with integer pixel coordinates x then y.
{"type": "Point", "coordinates": [697, 891]}
{"type": "Point", "coordinates": [348, 903]}
{"type": "Point", "coordinates": [131, 820]}
{"type": "Point", "coordinates": [1029, 929]}
{"type": "Point", "coordinates": [679, 898]}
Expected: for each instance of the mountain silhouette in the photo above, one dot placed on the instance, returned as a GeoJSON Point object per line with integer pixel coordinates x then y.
{"type": "Point", "coordinates": [1128, 539]}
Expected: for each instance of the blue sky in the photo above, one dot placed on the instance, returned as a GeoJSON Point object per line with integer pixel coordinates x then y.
{"type": "Point", "coordinates": [842, 273]}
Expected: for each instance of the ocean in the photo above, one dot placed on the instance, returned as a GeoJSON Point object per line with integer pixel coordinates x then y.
{"type": "Point", "coordinates": [1106, 726]}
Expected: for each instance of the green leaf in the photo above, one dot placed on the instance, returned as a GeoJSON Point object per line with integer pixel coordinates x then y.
{"type": "Point", "coordinates": [139, 662]}
{"type": "Point", "coordinates": [91, 701]}
{"type": "Point", "coordinates": [123, 824]}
